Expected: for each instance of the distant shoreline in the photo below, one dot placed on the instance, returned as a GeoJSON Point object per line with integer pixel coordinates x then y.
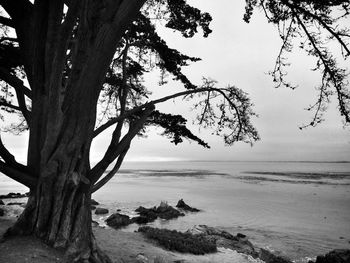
{"type": "Point", "coordinates": [233, 161]}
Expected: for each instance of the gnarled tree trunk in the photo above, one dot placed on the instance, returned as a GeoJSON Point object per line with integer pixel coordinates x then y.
{"type": "Point", "coordinates": [65, 59]}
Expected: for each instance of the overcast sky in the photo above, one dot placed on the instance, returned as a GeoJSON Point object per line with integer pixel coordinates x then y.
{"type": "Point", "coordinates": [241, 54]}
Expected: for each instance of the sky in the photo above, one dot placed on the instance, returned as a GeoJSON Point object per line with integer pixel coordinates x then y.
{"type": "Point", "coordinates": [238, 54]}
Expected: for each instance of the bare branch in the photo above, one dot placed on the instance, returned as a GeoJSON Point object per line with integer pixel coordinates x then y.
{"type": "Point", "coordinates": [6, 21]}
{"type": "Point", "coordinates": [8, 105]}
{"type": "Point", "coordinates": [9, 158]}
{"type": "Point", "coordinates": [111, 173]}
{"type": "Point", "coordinates": [327, 69]}
{"type": "Point", "coordinates": [12, 39]}
{"type": "Point", "coordinates": [15, 82]}
{"type": "Point", "coordinates": [17, 175]}
{"type": "Point", "coordinates": [157, 101]}
{"type": "Point", "coordinates": [116, 148]}
{"type": "Point", "coordinates": [321, 22]}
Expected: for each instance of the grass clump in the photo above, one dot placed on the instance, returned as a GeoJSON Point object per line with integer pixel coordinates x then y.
{"type": "Point", "coordinates": [178, 241]}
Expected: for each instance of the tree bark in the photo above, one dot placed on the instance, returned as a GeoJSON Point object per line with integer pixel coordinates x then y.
{"type": "Point", "coordinates": [63, 114]}
{"type": "Point", "coordinates": [58, 212]}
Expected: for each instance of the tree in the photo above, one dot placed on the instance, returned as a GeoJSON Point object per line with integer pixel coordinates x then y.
{"type": "Point", "coordinates": [315, 25]}
{"type": "Point", "coordinates": [68, 63]}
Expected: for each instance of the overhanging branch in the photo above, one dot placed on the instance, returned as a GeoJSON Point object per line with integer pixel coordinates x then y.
{"type": "Point", "coordinates": [15, 82]}
{"type": "Point", "coordinates": [17, 175]}
{"type": "Point", "coordinates": [111, 173]}
{"type": "Point", "coordinates": [129, 113]}
{"type": "Point", "coordinates": [116, 148]}
{"type": "Point", "coordinates": [6, 21]}
{"type": "Point", "coordinates": [10, 159]}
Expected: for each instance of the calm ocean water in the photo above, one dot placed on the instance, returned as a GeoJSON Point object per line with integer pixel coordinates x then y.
{"type": "Point", "coordinates": [298, 209]}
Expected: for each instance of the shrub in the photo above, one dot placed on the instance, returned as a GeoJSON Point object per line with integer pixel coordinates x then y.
{"type": "Point", "coordinates": [178, 241]}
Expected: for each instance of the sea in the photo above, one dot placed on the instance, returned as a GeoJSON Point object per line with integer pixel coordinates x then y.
{"type": "Point", "coordinates": [295, 209]}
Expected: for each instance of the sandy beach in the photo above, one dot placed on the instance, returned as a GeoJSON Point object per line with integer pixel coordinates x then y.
{"type": "Point", "coordinates": [119, 245]}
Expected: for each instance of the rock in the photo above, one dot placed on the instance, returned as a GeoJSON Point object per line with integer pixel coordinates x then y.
{"type": "Point", "coordinates": [92, 207]}
{"type": "Point", "coordinates": [166, 211]}
{"type": "Point", "coordinates": [2, 212]}
{"type": "Point", "coordinates": [93, 202]}
{"type": "Point", "coordinates": [269, 257]}
{"type": "Point", "coordinates": [141, 220]}
{"type": "Point", "coordinates": [118, 220]}
{"type": "Point", "coordinates": [224, 239]}
{"type": "Point", "coordinates": [239, 235]}
{"type": "Point", "coordinates": [142, 259]}
{"type": "Point", "coordinates": [2, 202]}
{"type": "Point", "coordinates": [101, 211]}
{"type": "Point", "coordinates": [163, 211]}
{"type": "Point", "coordinates": [335, 256]}
{"type": "Point", "coordinates": [182, 205]}
{"type": "Point", "coordinates": [13, 195]}
{"type": "Point", "coordinates": [146, 214]}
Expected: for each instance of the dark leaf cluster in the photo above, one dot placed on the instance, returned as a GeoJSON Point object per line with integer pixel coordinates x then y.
{"type": "Point", "coordinates": [174, 127]}
{"type": "Point", "coordinates": [187, 19]}
{"type": "Point", "coordinates": [143, 34]}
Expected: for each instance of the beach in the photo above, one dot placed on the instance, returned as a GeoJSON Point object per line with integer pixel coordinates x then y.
{"type": "Point", "coordinates": [299, 210]}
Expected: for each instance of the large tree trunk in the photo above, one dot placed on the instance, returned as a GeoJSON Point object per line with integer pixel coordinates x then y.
{"type": "Point", "coordinates": [58, 211]}
{"type": "Point", "coordinates": [65, 92]}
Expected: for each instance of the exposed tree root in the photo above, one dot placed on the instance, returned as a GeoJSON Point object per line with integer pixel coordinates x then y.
{"type": "Point", "coordinates": [89, 254]}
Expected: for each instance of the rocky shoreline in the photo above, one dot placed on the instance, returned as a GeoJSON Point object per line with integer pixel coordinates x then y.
{"type": "Point", "coordinates": [198, 240]}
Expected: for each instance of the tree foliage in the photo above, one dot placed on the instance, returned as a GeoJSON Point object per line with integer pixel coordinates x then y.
{"type": "Point", "coordinates": [72, 69]}
{"type": "Point", "coordinates": [316, 25]}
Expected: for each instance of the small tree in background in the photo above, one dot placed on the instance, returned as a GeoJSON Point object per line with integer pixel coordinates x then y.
{"type": "Point", "coordinates": [59, 60]}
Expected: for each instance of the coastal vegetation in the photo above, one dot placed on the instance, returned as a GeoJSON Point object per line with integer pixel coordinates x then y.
{"type": "Point", "coordinates": [72, 69]}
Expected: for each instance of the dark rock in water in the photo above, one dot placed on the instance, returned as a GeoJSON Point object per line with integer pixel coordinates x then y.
{"type": "Point", "coordinates": [182, 205]}
{"type": "Point", "coordinates": [2, 212]}
{"type": "Point", "coordinates": [239, 235]}
{"type": "Point", "coordinates": [269, 257]}
{"type": "Point", "coordinates": [118, 210]}
{"type": "Point", "coordinates": [15, 203]}
{"type": "Point", "coordinates": [101, 211]}
{"type": "Point", "coordinates": [146, 214]}
{"type": "Point", "coordinates": [163, 211]}
{"type": "Point", "coordinates": [92, 207]}
{"type": "Point", "coordinates": [224, 239]}
{"type": "Point", "coordinates": [166, 211]}
{"type": "Point", "coordinates": [118, 220]}
{"type": "Point", "coordinates": [141, 220]}
{"type": "Point", "coordinates": [13, 195]}
{"type": "Point", "coordinates": [335, 256]}
{"type": "Point", "coordinates": [93, 202]}
{"type": "Point", "coordinates": [178, 241]}
{"type": "Point", "coordinates": [2, 202]}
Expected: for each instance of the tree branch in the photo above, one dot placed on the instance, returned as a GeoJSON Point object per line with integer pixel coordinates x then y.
{"type": "Point", "coordinates": [17, 175]}
{"type": "Point", "coordinates": [7, 21]}
{"type": "Point", "coordinates": [111, 173]}
{"type": "Point", "coordinates": [341, 96]}
{"type": "Point", "coordinates": [116, 148]}
{"type": "Point", "coordinates": [21, 91]}
{"type": "Point", "coordinates": [6, 104]}
{"type": "Point", "coordinates": [321, 22]}
{"type": "Point", "coordinates": [15, 82]}
{"type": "Point", "coordinates": [21, 13]}
{"type": "Point", "coordinates": [10, 159]}
{"type": "Point", "coordinates": [127, 114]}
